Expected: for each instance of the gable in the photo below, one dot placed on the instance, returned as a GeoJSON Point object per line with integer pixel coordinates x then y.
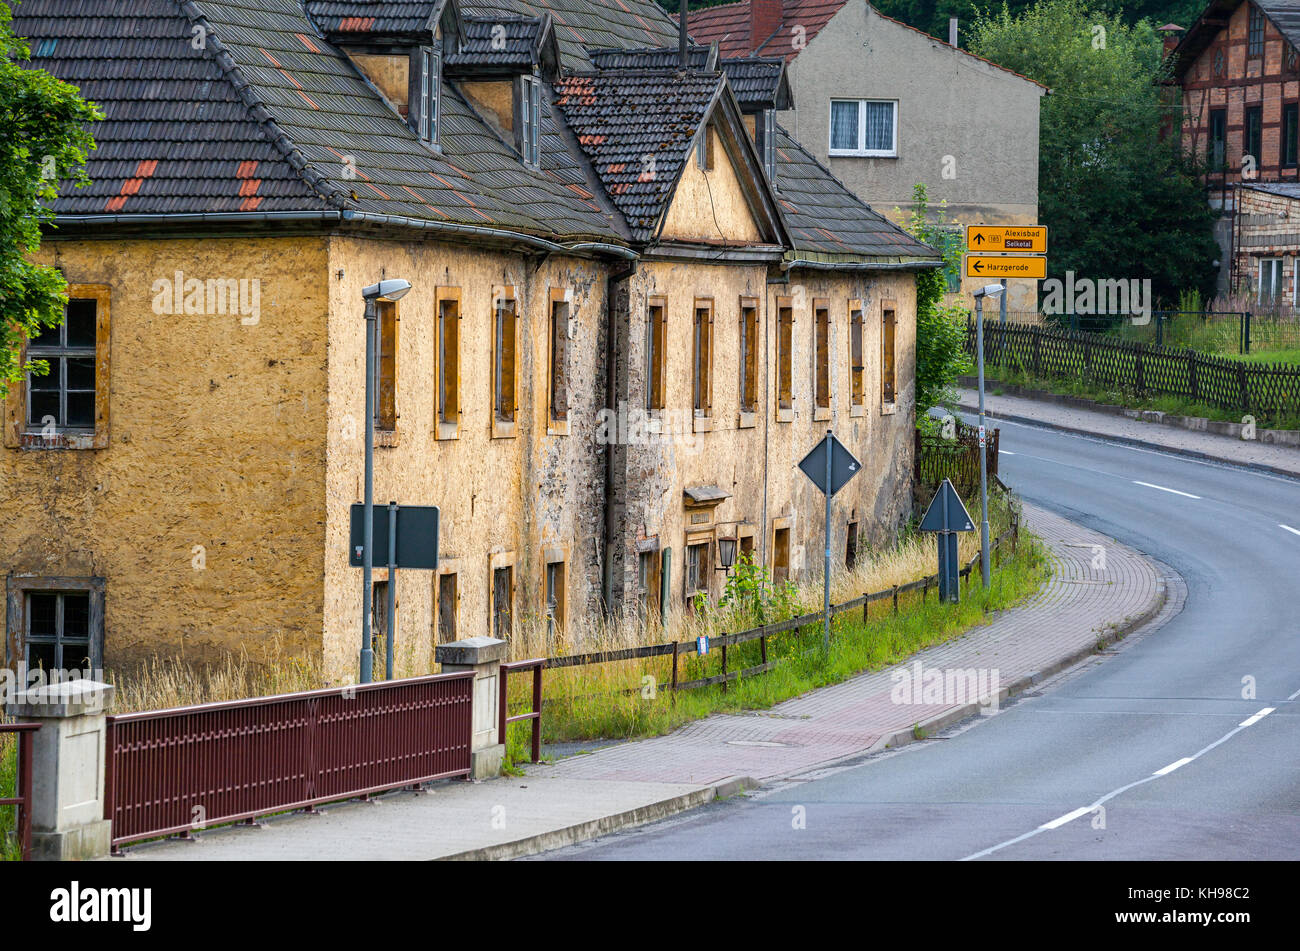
{"type": "Point", "coordinates": [710, 206]}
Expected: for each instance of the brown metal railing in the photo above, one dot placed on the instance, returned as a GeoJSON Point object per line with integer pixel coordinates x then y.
{"type": "Point", "coordinates": [175, 771]}
{"type": "Point", "coordinates": [535, 713]}
{"type": "Point", "coordinates": [23, 784]}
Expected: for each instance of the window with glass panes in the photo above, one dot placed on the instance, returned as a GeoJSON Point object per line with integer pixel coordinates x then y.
{"type": "Point", "coordinates": [865, 127]}
{"type": "Point", "coordinates": [57, 634]}
{"type": "Point", "coordinates": [64, 397]}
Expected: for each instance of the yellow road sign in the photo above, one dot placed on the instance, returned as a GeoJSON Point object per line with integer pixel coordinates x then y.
{"type": "Point", "coordinates": [1006, 239]}
{"type": "Point", "coordinates": [1006, 265]}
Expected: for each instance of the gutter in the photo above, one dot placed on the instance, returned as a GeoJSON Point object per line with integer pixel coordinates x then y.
{"type": "Point", "coordinates": [348, 216]}
{"type": "Point", "coordinates": [858, 265]}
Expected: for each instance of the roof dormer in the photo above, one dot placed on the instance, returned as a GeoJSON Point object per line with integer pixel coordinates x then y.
{"type": "Point", "coordinates": [501, 66]}
{"type": "Point", "coordinates": [401, 54]}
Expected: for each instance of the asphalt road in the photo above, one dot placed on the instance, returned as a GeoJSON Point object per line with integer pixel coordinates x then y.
{"type": "Point", "coordinates": [1139, 755]}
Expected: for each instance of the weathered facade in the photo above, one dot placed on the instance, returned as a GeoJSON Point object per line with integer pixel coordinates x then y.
{"type": "Point", "coordinates": [884, 106]}
{"type": "Point", "coordinates": [628, 322]}
{"type": "Point", "coordinates": [1266, 243]}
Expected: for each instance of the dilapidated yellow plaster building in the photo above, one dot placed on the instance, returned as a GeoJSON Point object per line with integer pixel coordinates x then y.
{"type": "Point", "coordinates": [636, 304]}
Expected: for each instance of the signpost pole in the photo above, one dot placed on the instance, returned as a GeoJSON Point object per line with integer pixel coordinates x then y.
{"type": "Point", "coordinates": [391, 632]}
{"type": "Point", "coordinates": [826, 564]}
{"type": "Point", "coordinates": [368, 519]}
{"type": "Point", "coordinates": [984, 463]}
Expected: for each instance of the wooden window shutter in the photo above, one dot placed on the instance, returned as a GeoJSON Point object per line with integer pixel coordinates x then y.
{"type": "Point", "coordinates": [887, 356]}
{"type": "Point", "coordinates": [785, 342]}
{"type": "Point", "coordinates": [386, 411]}
{"type": "Point", "coordinates": [559, 356]}
{"type": "Point", "coordinates": [505, 356]}
{"type": "Point", "coordinates": [855, 351]}
{"type": "Point", "coordinates": [708, 360]}
{"type": "Point", "coordinates": [657, 356]}
{"type": "Point", "coordinates": [823, 357]}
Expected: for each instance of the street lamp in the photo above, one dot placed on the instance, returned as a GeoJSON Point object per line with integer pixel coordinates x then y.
{"type": "Point", "coordinates": [389, 290]}
{"type": "Point", "coordinates": [988, 290]}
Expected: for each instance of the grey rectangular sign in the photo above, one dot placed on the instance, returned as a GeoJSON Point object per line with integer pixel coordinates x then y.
{"type": "Point", "coordinates": [417, 536]}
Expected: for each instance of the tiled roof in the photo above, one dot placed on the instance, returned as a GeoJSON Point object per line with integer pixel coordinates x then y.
{"type": "Point", "coordinates": [371, 16]}
{"type": "Point", "coordinates": [580, 24]}
{"type": "Point", "coordinates": [756, 81]}
{"type": "Point", "coordinates": [499, 41]}
{"type": "Point", "coordinates": [270, 117]}
{"type": "Point", "coordinates": [801, 21]}
{"type": "Point", "coordinates": [828, 221]}
{"type": "Point", "coordinates": [729, 25]}
{"type": "Point", "coordinates": [637, 128]}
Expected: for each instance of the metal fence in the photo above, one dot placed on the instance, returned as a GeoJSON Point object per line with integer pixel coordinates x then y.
{"type": "Point", "coordinates": [1269, 392]}
{"type": "Point", "coordinates": [174, 771]}
{"type": "Point", "coordinates": [22, 797]}
{"type": "Point", "coordinates": [958, 460]}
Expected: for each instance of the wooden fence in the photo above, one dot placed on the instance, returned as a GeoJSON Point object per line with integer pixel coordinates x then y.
{"type": "Point", "coordinates": [722, 643]}
{"type": "Point", "coordinates": [1268, 392]}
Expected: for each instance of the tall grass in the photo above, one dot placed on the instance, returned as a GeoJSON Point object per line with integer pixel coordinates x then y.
{"type": "Point", "coordinates": [10, 850]}
{"type": "Point", "coordinates": [630, 698]}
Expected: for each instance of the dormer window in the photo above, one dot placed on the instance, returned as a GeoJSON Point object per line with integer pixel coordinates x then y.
{"type": "Point", "coordinates": [530, 120]}
{"type": "Point", "coordinates": [430, 92]}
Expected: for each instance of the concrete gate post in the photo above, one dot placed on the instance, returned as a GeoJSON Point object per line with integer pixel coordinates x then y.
{"type": "Point", "coordinates": [483, 655]}
{"type": "Point", "coordinates": [68, 768]}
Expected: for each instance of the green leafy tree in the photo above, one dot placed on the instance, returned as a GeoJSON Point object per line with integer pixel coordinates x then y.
{"type": "Point", "coordinates": [1118, 195]}
{"type": "Point", "coordinates": [940, 331]}
{"type": "Point", "coordinates": [44, 138]}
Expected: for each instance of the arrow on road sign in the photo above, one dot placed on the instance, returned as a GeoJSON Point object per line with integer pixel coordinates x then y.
{"type": "Point", "coordinates": [947, 513]}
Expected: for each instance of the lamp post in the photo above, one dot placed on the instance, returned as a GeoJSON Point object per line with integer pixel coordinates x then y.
{"type": "Point", "coordinates": [726, 552]}
{"type": "Point", "coordinates": [390, 290]}
{"type": "Point", "coordinates": [988, 290]}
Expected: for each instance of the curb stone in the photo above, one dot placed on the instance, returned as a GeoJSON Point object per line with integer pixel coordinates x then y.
{"type": "Point", "coordinates": [594, 828]}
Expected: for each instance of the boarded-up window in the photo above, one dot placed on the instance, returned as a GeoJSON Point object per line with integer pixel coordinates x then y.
{"type": "Point", "coordinates": [447, 595]}
{"type": "Point", "coordinates": [781, 555]}
{"type": "Point", "coordinates": [448, 355]}
{"type": "Point", "coordinates": [748, 355]}
{"type": "Point", "coordinates": [703, 358]}
{"type": "Point", "coordinates": [559, 356]}
{"type": "Point", "coordinates": [822, 356]}
{"type": "Point", "coordinates": [503, 591]}
{"type": "Point", "coordinates": [648, 582]}
{"type": "Point", "coordinates": [555, 607]}
{"type": "Point", "coordinates": [887, 355]}
{"type": "Point", "coordinates": [784, 348]}
{"type": "Point", "coordinates": [386, 367]}
{"type": "Point", "coordinates": [856, 366]}
{"type": "Point", "coordinates": [503, 371]}
{"type": "Point", "coordinates": [656, 352]}
{"type": "Point", "coordinates": [851, 547]}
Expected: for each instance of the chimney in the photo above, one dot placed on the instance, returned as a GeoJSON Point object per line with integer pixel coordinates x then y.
{"type": "Point", "coordinates": [683, 54]}
{"type": "Point", "coordinates": [952, 31]}
{"type": "Point", "coordinates": [764, 20]}
{"type": "Point", "coordinates": [1172, 34]}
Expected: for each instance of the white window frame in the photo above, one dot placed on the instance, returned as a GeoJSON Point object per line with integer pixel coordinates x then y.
{"type": "Point", "coordinates": [861, 151]}
{"type": "Point", "coordinates": [1259, 286]}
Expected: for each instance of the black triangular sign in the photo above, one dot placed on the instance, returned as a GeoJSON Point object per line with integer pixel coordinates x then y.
{"type": "Point", "coordinates": [946, 512]}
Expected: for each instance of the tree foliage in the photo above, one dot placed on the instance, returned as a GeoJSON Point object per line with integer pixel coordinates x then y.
{"type": "Point", "coordinates": [1118, 195]}
{"type": "Point", "coordinates": [44, 138]}
{"type": "Point", "coordinates": [940, 331]}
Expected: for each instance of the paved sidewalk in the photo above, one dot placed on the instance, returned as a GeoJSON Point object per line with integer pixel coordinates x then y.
{"type": "Point", "coordinates": [1281, 459]}
{"type": "Point", "coordinates": [630, 783]}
